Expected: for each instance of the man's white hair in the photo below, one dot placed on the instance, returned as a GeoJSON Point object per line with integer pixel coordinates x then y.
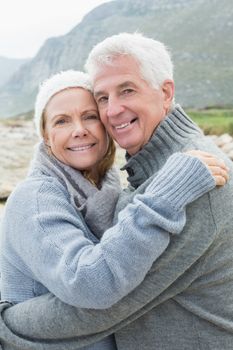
{"type": "Point", "coordinates": [152, 56]}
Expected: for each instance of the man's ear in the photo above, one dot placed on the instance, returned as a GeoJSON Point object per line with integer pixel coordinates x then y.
{"type": "Point", "coordinates": [168, 88]}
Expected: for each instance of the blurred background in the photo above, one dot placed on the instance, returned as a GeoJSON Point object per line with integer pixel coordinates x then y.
{"type": "Point", "coordinates": [39, 38]}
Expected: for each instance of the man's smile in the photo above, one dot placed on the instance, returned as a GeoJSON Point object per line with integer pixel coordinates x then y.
{"type": "Point", "coordinates": [124, 125]}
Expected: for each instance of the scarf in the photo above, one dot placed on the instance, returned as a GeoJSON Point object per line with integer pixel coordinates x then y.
{"type": "Point", "coordinates": [97, 206]}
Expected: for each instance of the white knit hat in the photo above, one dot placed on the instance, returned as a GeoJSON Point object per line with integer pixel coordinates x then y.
{"type": "Point", "coordinates": [51, 86]}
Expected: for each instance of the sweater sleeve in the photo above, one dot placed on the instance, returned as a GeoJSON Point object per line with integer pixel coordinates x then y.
{"type": "Point", "coordinates": [40, 318]}
{"type": "Point", "coordinates": [97, 276]}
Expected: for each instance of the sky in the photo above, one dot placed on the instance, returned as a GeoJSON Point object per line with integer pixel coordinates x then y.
{"type": "Point", "coordinates": [26, 24]}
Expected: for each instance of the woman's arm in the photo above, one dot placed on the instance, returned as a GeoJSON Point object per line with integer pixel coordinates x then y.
{"type": "Point", "coordinates": [55, 325]}
{"type": "Point", "coordinates": [97, 276]}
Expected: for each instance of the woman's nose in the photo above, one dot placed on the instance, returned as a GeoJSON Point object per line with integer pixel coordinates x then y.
{"type": "Point", "coordinates": [79, 130]}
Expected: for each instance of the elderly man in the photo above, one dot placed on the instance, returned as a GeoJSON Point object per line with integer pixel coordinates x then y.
{"type": "Point", "coordinates": [186, 299]}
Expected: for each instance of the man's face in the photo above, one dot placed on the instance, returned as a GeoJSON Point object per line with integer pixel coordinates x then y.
{"type": "Point", "coordinates": [129, 108]}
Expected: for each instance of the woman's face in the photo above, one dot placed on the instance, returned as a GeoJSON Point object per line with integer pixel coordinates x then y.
{"type": "Point", "coordinates": [73, 129]}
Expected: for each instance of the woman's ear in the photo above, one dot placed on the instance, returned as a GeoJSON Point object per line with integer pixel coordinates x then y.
{"type": "Point", "coordinates": [44, 130]}
{"type": "Point", "coordinates": [168, 89]}
{"type": "Point", "coordinates": [46, 139]}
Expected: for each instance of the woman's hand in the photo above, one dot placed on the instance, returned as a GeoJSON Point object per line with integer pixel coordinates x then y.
{"type": "Point", "coordinates": [215, 165]}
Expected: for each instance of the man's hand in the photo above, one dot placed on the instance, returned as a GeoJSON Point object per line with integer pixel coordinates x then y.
{"type": "Point", "coordinates": [216, 166]}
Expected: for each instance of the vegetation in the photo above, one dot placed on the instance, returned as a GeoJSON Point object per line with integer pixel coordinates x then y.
{"type": "Point", "coordinates": [213, 121]}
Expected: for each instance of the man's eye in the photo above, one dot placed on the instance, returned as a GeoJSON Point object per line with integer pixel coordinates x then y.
{"type": "Point", "coordinates": [91, 117]}
{"type": "Point", "coordinates": [102, 99]}
{"type": "Point", "coordinates": [127, 91]}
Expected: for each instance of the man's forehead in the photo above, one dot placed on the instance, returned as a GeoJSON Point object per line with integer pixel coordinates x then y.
{"type": "Point", "coordinates": [120, 65]}
{"type": "Point", "coordinates": [115, 78]}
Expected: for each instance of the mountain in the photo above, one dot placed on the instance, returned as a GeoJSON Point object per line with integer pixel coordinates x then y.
{"type": "Point", "coordinates": [198, 33]}
{"type": "Point", "coordinates": [9, 66]}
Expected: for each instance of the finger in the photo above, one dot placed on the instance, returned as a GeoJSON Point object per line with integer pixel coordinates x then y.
{"type": "Point", "coordinates": [220, 180]}
{"type": "Point", "coordinates": [212, 161]}
{"type": "Point", "coordinates": [217, 170]}
{"type": "Point", "coordinates": [197, 152]}
{"type": "Point", "coordinates": [207, 158]}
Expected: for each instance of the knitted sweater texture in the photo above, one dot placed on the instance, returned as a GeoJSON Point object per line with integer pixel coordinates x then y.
{"type": "Point", "coordinates": [185, 301]}
{"type": "Point", "coordinates": [46, 245]}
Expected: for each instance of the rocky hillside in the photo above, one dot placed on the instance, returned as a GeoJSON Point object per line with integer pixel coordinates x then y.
{"type": "Point", "coordinates": [9, 66]}
{"type": "Point", "coordinates": [198, 32]}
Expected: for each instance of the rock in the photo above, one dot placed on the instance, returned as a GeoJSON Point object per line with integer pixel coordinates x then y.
{"type": "Point", "coordinates": [5, 189]}
{"type": "Point", "coordinates": [227, 147]}
{"type": "Point", "coordinates": [230, 154]}
{"type": "Point", "coordinates": [16, 148]}
{"type": "Point", "coordinates": [223, 139]}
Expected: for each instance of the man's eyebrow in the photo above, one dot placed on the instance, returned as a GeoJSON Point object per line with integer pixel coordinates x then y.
{"type": "Point", "coordinates": [126, 84]}
{"type": "Point", "coordinates": [99, 93]}
{"type": "Point", "coordinates": [120, 86]}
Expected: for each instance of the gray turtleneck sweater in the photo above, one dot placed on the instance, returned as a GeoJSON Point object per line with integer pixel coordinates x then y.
{"type": "Point", "coordinates": [186, 300]}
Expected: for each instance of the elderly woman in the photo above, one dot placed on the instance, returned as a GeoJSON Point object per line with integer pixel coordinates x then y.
{"type": "Point", "coordinates": [55, 218]}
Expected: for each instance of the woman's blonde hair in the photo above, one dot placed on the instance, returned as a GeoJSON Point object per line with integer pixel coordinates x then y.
{"type": "Point", "coordinates": [104, 165]}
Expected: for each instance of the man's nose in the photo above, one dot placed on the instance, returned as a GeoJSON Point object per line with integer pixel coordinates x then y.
{"type": "Point", "coordinates": [114, 107]}
{"type": "Point", "coordinates": [79, 129]}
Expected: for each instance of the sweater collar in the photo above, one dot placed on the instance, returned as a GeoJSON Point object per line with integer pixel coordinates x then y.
{"type": "Point", "coordinates": [97, 206]}
{"type": "Point", "coordinates": [170, 136]}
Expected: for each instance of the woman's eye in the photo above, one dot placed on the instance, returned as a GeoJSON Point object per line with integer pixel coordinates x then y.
{"type": "Point", "coordinates": [60, 122]}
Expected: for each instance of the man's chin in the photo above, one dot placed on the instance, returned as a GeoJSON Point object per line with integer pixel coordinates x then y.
{"type": "Point", "coordinates": [130, 149]}
{"type": "Point", "coordinates": [129, 145]}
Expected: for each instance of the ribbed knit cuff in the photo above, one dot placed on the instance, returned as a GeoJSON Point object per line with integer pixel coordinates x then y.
{"type": "Point", "coordinates": [182, 179]}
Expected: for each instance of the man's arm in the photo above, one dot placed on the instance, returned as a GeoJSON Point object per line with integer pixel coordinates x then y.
{"type": "Point", "coordinates": [50, 322]}
{"type": "Point", "coordinates": [47, 323]}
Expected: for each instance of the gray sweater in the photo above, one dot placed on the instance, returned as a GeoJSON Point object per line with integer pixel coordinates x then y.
{"type": "Point", "coordinates": [185, 301]}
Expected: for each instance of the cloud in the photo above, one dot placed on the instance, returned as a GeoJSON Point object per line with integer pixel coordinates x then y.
{"type": "Point", "coordinates": [26, 24]}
